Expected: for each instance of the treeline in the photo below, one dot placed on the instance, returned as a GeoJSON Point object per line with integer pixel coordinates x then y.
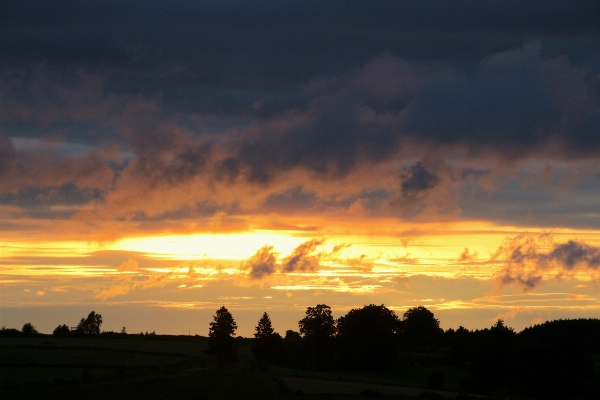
{"type": "Point", "coordinates": [548, 361]}
{"type": "Point", "coordinates": [89, 326]}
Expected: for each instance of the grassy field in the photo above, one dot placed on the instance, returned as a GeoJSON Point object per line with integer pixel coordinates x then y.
{"type": "Point", "coordinates": [159, 367]}
{"type": "Point", "coordinates": [25, 360]}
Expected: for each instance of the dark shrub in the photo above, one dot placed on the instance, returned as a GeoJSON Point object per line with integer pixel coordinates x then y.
{"type": "Point", "coordinates": [9, 332]}
{"type": "Point", "coordinates": [61, 331]}
{"type": "Point", "coordinates": [29, 329]}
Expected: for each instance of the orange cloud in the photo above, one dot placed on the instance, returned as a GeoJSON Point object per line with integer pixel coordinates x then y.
{"type": "Point", "coordinates": [128, 266]}
{"type": "Point", "coordinates": [466, 256]}
{"type": "Point", "coordinates": [511, 314]}
{"type": "Point", "coordinates": [115, 290]}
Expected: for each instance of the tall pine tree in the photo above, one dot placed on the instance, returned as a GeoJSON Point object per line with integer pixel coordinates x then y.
{"type": "Point", "coordinates": [221, 336]}
{"type": "Point", "coordinates": [267, 342]}
{"type": "Point", "coordinates": [264, 329]}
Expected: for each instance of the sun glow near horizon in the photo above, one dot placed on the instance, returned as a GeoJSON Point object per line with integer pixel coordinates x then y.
{"type": "Point", "coordinates": [449, 265]}
{"type": "Point", "coordinates": [230, 246]}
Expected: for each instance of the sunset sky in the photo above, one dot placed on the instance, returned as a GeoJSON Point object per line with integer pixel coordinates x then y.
{"type": "Point", "coordinates": [160, 159]}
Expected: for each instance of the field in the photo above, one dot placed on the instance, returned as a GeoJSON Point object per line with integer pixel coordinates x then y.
{"type": "Point", "coordinates": [158, 367]}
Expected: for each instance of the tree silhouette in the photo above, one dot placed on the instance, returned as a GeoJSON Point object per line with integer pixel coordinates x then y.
{"type": "Point", "coordinates": [61, 330]}
{"type": "Point", "coordinates": [267, 343]}
{"type": "Point", "coordinates": [318, 323]}
{"type": "Point", "coordinates": [461, 346]}
{"type": "Point", "coordinates": [29, 329]}
{"type": "Point", "coordinates": [293, 353]}
{"type": "Point", "coordinates": [367, 337]}
{"type": "Point", "coordinates": [419, 327]}
{"type": "Point", "coordinates": [221, 336]}
{"type": "Point", "coordinates": [90, 325]}
{"type": "Point", "coordinates": [493, 364]}
{"type": "Point", "coordinates": [318, 329]}
{"type": "Point", "coordinates": [264, 329]}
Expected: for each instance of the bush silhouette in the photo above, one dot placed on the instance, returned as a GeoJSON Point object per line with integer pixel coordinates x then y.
{"type": "Point", "coordinates": [29, 329]}
{"type": "Point", "coordinates": [9, 332]}
{"type": "Point", "coordinates": [61, 330]}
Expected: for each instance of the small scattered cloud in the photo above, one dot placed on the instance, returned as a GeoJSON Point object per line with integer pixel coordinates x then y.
{"type": "Point", "coordinates": [129, 266]}
{"type": "Point", "coordinates": [262, 263]}
{"type": "Point", "coordinates": [406, 259]}
{"type": "Point", "coordinates": [511, 314]}
{"type": "Point", "coordinates": [304, 257]}
{"type": "Point", "coordinates": [307, 257]}
{"type": "Point", "coordinates": [113, 290]}
{"type": "Point", "coordinates": [467, 256]}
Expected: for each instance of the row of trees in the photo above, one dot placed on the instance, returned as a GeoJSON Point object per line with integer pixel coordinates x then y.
{"type": "Point", "coordinates": [86, 327]}
{"type": "Point", "coordinates": [552, 360]}
{"type": "Point", "coordinates": [365, 338]}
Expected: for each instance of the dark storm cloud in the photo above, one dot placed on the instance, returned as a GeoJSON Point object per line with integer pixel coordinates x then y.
{"type": "Point", "coordinates": [7, 155]}
{"type": "Point", "coordinates": [292, 199]}
{"type": "Point", "coordinates": [515, 102]}
{"type": "Point", "coordinates": [513, 105]}
{"type": "Point", "coordinates": [546, 205]}
{"type": "Point", "coordinates": [163, 94]}
{"type": "Point", "coordinates": [184, 164]}
{"type": "Point", "coordinates": [225, 56]}
{"type": "Point", "coordinates": [275, 39]}
{"type": "Point", "coordinates": [417, 179]}
{"type": "Point", "coordinates": [67, 194]}
{"type": "Point", "coordinates": [526, 262]}
{"type": "Point", "coordinates": [48, 203]}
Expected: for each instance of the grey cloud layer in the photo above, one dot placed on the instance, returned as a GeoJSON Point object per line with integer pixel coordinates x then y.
{"type": "Point", "coordinates": [160, 96]}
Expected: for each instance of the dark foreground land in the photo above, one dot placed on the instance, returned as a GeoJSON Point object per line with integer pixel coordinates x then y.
{"type": "Point", "coordinates": [555, 360]}
{"type": "Point", "coordinates": [161, 367]}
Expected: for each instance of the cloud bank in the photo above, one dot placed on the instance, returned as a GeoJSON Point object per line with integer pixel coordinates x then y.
{"type": "Point", "coordinates": [531, 259]}
{"type": "Point", "coordinates": [390, 108]}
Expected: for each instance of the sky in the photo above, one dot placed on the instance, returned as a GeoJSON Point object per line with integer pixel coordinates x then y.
{"type": "Point", "coordinates": [160, 159]}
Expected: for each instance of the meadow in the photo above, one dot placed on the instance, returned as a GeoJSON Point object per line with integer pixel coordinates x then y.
{"type": "Point", "coordinates": [161, 366]}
